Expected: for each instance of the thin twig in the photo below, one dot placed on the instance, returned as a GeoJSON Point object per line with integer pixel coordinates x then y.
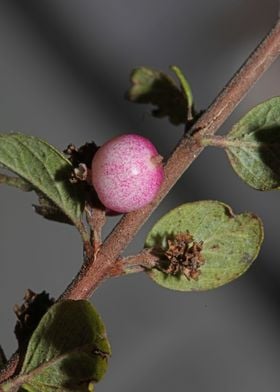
{"type": "Point", "coordinates": [184, 154]}
{"type": "Point", "coordinates": [131, 264]}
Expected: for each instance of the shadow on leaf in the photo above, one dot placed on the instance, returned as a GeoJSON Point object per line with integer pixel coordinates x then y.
{"type": "Point", "coordinates": [269, 151]}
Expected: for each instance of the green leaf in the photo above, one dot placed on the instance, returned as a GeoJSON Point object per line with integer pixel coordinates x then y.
{"type": "Point", "coordinates": [68, 350]}
{"type": "Point", "coordinates": [155, 87]}
{"type": "Point", "coordinates": [186, 89]}
{"type": "Point", "coordinates": [253, 146]}
{"type": "Point", "coordinates": [45, 168]}
{"type": "Point", "coordinates": [230, 243]}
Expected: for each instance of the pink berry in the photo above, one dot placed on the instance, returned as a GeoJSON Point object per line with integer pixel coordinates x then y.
{"type": "Point", "coordinates": [127, 173]}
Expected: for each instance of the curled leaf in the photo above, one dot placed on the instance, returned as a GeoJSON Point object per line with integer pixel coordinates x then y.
{"type": "Point", "coordinates": [152, 86]}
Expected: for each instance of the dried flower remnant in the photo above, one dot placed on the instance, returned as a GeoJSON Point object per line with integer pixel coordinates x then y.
{"type": "Point", "coordinates": [81, 159]}
{"type": "Point", "coordinates": [182, 256]}
{"type": "Point", "coordinates": [30, 313]}
{"type": "Point", "coordinates": [83, 154]}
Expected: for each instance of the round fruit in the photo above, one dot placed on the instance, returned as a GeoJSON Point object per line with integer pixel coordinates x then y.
{"type": "Point", "coordinates": [127, 173]}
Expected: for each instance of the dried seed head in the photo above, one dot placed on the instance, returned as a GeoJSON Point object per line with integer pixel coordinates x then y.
{"type": "Point", "coordinates": [182, 256]}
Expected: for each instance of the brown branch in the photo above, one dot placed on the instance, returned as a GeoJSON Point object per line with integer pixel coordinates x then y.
{"type": "Point", "coordinates": [96, 218]}
{"type": "Point", "coordinates": [182, 157]}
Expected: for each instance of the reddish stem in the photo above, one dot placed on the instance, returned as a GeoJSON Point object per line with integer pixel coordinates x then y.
{"type": "Point", "coordinates": [9, 369]}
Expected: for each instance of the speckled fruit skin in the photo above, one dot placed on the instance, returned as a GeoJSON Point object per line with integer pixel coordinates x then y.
{"type": "Point", "coordinates": [127, 173]}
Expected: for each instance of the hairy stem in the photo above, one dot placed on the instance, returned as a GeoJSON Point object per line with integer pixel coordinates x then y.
{"type": "Point", "coordinates": [185, 153]}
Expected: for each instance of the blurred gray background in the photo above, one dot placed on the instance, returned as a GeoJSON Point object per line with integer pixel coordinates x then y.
{"type": "Point", "coordinates": [64, 67]}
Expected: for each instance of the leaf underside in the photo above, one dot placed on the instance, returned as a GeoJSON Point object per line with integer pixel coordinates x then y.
{"type": "Point", "coordinates": [230, 243]}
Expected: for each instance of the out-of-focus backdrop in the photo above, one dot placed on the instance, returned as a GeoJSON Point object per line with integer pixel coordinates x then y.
{"type": "Point", "coordinates": [64, 68]}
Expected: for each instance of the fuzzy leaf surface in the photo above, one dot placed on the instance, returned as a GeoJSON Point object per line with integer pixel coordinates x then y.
{"type": "Point", "coordinates": [45, 168]}
{"type": "Point", "coordinates": [155, 87]}
{"type": "Point", "coordinates": [68, 350]}
{"type": "Point", "coordinates": [253, 146]}
{"type": "Point", "coordinates": [230, 243]}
